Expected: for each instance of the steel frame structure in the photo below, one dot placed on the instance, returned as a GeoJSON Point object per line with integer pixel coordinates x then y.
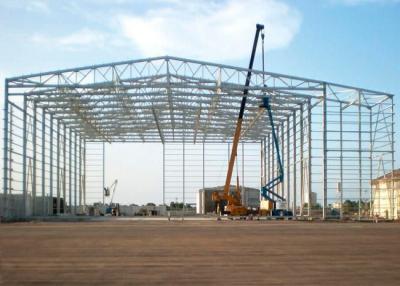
{"type": "Point", "coordinates": [329, 133]}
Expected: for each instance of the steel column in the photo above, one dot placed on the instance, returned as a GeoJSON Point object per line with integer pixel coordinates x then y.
{"type": "Point", "coordinates": [64, 186]}
{"type": "Point", "coordinates": [273, 173]}
{"type": "Point", "coordinates": [80, 173]}
{"type": "Point", "coordinates": [309, 143]}
{"type": "Point", "coordinates": [261, 163]}
{"type": "Point", "coordinates": [183, 177]}
{"type": "Point", "coordinates": [75, 174]}
{"type": "Point", "coordinates": [58, 167]}
{"type": "Point", "coordinates": [5, 152]}
{"type": "Point", "coordinates": [70, 171]}
{"type": "Point", "coordinates": [24, 147]}
{"type": "Point", "coordinates": [301, 160]}
{"type": "Point", "coordinates": [370, 162]}
{"type": "Point", "coordinates": [183, 172]}
{"type": "Point", "coordinates": [265, 161]}
{"type": "Point", "coordinates": [203, 166]}
{"type": "Point", "coordinates": [392, 159]}
{"type": "Point", "coordinates": [359, 158]}
{"type": "Point", "coordinates": [242, 170]}
{"type": "Point", "coordinates": [10, 153]}
{"type": "Point", "coordinates": [283, 185]}
{"type": "Point", "coordinates": [104, 168]}
{"type": "Point", "coordinates": [163, 174]}
{"type": "Point", "coordinates": [84, 172]}
{"type": "Point", "coordinates": [269, 157]}
{"type": "Point", "coordinates": [44, 212]}
{"type": "Point", "coordinates": [34, 149]}
{"type": "Point", "coordinates": [294, 164]}
{"type": "Point", "coordinates": [324, 154]}
{"type": "Point", "coordinates": [288, 163]}
{"type": "Point", "coordinates": [341, 158]}
{"type": "Point", "coordinates": [51, 204]}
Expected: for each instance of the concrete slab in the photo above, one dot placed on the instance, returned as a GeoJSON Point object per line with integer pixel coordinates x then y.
{"type": "Point", "coordinates": [126, 251]}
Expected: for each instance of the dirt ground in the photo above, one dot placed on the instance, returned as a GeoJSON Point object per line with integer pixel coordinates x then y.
{"type": "Point", "coordinates": [200, 253]}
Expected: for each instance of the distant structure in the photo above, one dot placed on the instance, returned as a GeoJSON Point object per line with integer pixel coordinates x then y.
{"type": "Point", "coordinates": [313, 198]}
{"type": "Point", "coordinates": [205, 205]}
{"type": "Point", "coordinates": [386, 195]}
{"type": "Point", "coordinates": [147, 210]}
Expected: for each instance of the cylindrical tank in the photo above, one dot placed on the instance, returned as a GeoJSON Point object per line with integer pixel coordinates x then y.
{"type": "Point", "coordinates": [280, 205]}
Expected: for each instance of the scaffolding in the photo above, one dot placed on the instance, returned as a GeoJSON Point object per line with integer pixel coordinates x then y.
{"type": "Point", "coordinates": [334, 138]}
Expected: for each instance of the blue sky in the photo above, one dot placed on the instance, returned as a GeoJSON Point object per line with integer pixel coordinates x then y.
{"type": "Point", "coordinates": [354, 42]}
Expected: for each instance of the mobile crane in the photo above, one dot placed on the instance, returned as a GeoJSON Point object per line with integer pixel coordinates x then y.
{"type": "Point", "coordinates": [234, 206]}
{"type": "Point", "coordinates": [112, 208]}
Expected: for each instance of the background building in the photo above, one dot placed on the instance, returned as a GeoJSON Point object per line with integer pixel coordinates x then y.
{"type": "Point", "coordinates": [386, 195]}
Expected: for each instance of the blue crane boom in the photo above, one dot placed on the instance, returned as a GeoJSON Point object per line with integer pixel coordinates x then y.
{"type": "Point", "coordinates": [267, 190]}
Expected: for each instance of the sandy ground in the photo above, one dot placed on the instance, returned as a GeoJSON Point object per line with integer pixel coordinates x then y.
{"type": "Point", "coordinates": [199, 253]}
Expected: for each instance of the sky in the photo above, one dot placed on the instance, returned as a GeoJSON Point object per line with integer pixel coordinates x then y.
{"type": "Point", "coordinates": [353, 42]}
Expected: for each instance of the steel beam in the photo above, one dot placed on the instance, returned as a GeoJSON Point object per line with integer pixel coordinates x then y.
{"type": "Point", "coordinates": [170, 103]}
{"type": "Point", "coordinates": [158, 126]}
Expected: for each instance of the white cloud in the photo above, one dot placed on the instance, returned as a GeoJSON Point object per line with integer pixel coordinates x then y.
{"type": "Point", "coordinates": [79, 39]}
{"type": "Point", "coordinates": [210, 30]}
